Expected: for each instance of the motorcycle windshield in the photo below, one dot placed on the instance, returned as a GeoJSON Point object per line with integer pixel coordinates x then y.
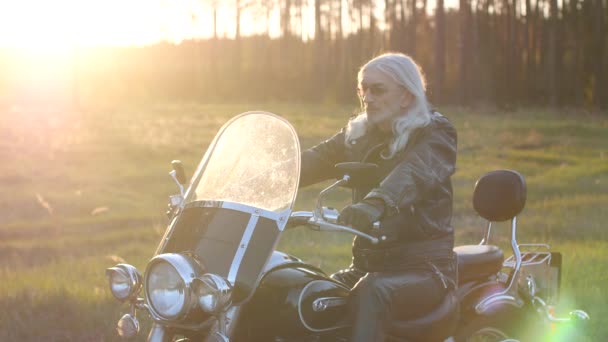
{"type": "Point", "coordinates": [239, 200]}
{"type": "Point", "coordinates": [254, 160]}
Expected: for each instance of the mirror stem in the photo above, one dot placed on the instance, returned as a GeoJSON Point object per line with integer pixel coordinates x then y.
{"type": "Point", "coordinates": [173, 175]}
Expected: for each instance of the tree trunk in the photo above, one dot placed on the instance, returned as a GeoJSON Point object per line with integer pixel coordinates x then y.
{"type": "Point", "coordinates": [475, 64]}
{"type": "Point", "coordinates": [599, 91]}
{"type": "Point", "coordinates": [577, 69]}
{"type": "Point", "coordinates": [413, 28]}
{"type": "Point", "coordinates": [286, 19]}
{"type": "Point", "coordinates": [388, 27]}
{"type": "Point", "coordinates": [215, 20]}
{"type": "Point", "coordinates": [551, 57]}
{"type": "Point", "coordinates": [320, 62]}
{"type": "Point", "coordinates": [372, 30]}
{"type": "Point", "coordinates": [464, 49]}
{"type": "Point", "coordinates": [340, 29]}
{"type": "Point", "coordinates": [76, 78]}
{"type": "Point", "coordinates": [513, 55]}
{"type": "Point", "coordinates": [318, 32]}
{"type": "Point", "coordinates": [439, 52]}
{"type": "Point", "coordinates": [238, 20]}
{"type": "Point", "coordinates": [527, 52]}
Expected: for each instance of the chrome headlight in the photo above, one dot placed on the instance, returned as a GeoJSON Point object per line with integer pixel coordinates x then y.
{"type": "Point", "coordinates": [213, 292]}
{"type": "Point", "coordinates": [167, 285]}
{"type": "Point", "coordinates": [125, 281]}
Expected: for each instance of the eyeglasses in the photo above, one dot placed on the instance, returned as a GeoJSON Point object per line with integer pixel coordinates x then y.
{"type": "Point", "coordinates": [375, 90]}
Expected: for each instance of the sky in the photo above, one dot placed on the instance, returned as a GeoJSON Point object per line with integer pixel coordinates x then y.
{"type": "Point", "coordinates": [59, 25]}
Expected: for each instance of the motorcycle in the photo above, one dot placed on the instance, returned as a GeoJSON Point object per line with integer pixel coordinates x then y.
{"type": "Point", "coordinates": [216, 275]}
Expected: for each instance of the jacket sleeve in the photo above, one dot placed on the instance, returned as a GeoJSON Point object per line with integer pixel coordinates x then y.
{"type": "Point", "coordinates": [318, 162]}
{"type": "Point", "coordinates": [426, 164]}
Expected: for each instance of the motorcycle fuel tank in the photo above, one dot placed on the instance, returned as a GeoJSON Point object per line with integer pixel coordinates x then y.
{"type": "Point", "coordinates": [295, 300]}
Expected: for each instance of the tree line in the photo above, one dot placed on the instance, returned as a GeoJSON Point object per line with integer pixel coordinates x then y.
{"type": "Point", "coordinates": [509, 52]}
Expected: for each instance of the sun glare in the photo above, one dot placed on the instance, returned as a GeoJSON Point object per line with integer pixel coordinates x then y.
{"type": "Point", "coordinates": [56, 27]}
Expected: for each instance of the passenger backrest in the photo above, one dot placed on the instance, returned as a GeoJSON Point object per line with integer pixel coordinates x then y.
{"type": "Point", "coordinates": [500, 195]}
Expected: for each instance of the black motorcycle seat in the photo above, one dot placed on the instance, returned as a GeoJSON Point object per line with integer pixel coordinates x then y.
{"type": "Point", "coordinates": [476, 261]}
{"type": "Point", "coordinates": [438, 325]}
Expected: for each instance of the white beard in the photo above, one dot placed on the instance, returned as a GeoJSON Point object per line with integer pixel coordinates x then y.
{"type": "Point", "coordinates": [405, 125]}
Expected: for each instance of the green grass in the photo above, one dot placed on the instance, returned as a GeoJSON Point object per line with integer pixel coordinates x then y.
{"type": "Point", "coordinates": [80, 191]}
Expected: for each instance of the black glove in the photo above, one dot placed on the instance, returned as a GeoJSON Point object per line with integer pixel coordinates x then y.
{"type": "Point", "coordinates": [361, 216]}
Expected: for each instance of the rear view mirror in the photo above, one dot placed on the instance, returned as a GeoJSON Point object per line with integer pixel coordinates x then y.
{"type": "Point", "coordinates": [360, 174]}
{"type": "Point", "coordinates": [180, 175]}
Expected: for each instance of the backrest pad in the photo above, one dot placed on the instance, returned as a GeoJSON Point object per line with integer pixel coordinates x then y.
{"type": "Point", "coordinates": [500, 195]}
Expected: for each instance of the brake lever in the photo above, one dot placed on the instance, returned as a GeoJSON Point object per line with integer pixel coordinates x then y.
{"type": "Point", "coordinates": [326, 226]}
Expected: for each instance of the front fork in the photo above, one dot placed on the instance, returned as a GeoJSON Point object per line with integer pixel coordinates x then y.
{"type": "Point", "coordinates": [158, 333]}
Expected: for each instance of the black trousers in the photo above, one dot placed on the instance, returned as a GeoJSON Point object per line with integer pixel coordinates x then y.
{"type": "Point", "coordinates": [378, 297]}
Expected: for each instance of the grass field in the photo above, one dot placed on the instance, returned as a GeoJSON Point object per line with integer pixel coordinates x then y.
{"type": "Point", "coordinates": [81, 191]}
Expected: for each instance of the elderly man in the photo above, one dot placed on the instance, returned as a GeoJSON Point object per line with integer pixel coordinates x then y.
{"type": "Point", "coordinates": [411, 195]}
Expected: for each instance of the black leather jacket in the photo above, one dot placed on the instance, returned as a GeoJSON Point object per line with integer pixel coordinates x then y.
{"type": "Point", "coordinates": [414, 185]}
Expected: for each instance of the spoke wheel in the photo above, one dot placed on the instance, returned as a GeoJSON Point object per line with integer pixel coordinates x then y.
{"type": "Point", "coordinates": [508, 324]}
{"type": "Point", "coordinates": [488, 334]}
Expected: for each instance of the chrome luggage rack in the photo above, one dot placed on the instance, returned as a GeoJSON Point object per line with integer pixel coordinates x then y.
{"type": "Point", "coordinates": [539, 280]}
{"type": "Point", "coordinates": [540, 272]}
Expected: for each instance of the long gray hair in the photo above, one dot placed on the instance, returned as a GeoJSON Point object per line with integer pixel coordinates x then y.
{"type": "Point", "coordinates": [403, 70]}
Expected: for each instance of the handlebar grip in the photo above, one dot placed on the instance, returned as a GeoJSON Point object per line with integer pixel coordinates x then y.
{"type": "Point", "coordinates": [298, 219]}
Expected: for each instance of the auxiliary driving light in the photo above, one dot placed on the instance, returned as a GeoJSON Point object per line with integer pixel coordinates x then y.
{"type": "Point", "coordinates": [213, 292]}
{"type": "Point", "coordinates": [125, 281]}
{"type": "Point", "coordinates": [127, 327]}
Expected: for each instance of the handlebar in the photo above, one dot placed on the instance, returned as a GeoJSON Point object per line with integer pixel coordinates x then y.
{"type": "Point", "coordinates": [326, 219]}
{"type": "Point", "coordinates": [307, 218]}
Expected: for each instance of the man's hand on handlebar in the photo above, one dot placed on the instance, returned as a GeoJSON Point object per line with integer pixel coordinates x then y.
{"type": "Point", "coordinates": [362, 215]}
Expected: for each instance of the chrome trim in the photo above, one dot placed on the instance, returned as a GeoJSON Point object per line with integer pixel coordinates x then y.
{"type": "Point", "coordinates": [498, 299]}
{"type": "Point", "coordinates": [531, 285]}
{"type": "Point", "coordinates": [176, 200]}
{"type": "Point", "coordinates": [278, 258]}
{"type": "Point", "coordinates": [331, 215]}
{"type": "Point", "coordinates": [231, 319]}
{"type": "Point", "coordinates": [240, 252]}
{"type": "Point", "coordinates": [166, 235]}
{"type": "Point", "coordinates": [133, 275]}
{"type": "Point", "coordinates": [509, 295]}
{"type": "Point", "coordinates": [542, 245]}
{"type": "Point", "coordinates": [187, 269]}
{"type": "Point", "coordinates": [529, 259]}
{"type": "Point", "coordinates": [223, 325]}
{"type": "Point", "coordinates": [217, 337]}
{"type": "Point", "coordinates": [220, 288]}
{"type": "Point", "coordinates": [275, 216]}
{"type": "Point", "coordinates": [279, 217]}
{"type": "Point", "coordinates": [486, 238]}
{"type": "Point", "coordinates": [141, 305]}
{"type": "Point", "coordinates": [318, 213]}
{"type": "Point", "coordinates": [173, 175]}
{"type": "Point", "coordinates": [127, 327]}
{"type": "Point", "coordinates": [319, 220]}
{"type": "Point", "coordinates": [321, 304]}
{"type": "Point", "coordinates": [575, 316]}
{"type": "Point", "coordinates": [300, 309]}
{"type": "Point", "coordinates": [323, 225]}
{"type": "Point", "coordinates": [318, 223]}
